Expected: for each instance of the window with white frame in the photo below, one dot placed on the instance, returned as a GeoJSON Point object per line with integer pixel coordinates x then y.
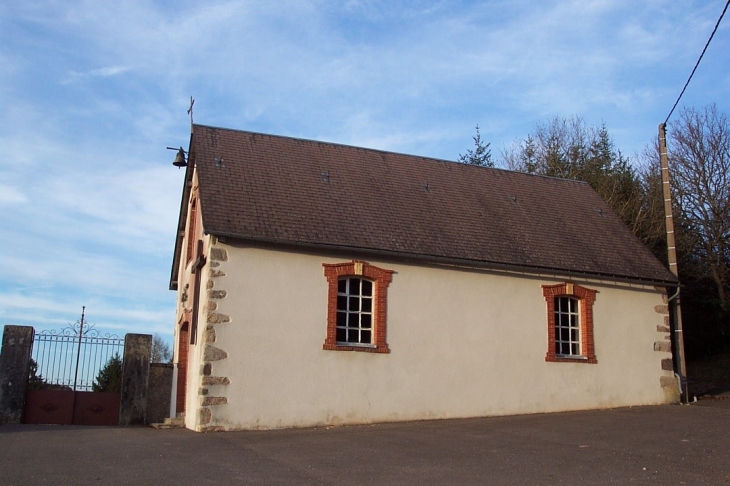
{"type": "Point", "coordinates": [567, 327]}
{"type": "Point", "coordinates": [570, 323]}
{"type": "Point", "coordinates": [354, 311]}
{"type": "Point", "coordinates": [357, 305]}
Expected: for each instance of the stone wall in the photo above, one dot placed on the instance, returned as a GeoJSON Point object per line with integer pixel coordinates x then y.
{"type": "Point", "coordinates": [135, 375]}
{"type": "Point", "coordinates": [213, 390]}
{"type": "Point", "coordinates": [14, 367]}
{"type": "Point", "coordinates": [159, 389]}
{"type": "Point", "coordinates": [669, 382]}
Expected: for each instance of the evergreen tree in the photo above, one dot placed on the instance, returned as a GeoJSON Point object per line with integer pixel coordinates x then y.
{"type": "Point", "coordinates": [35, 381]}
{"type": "Point", "coordinates": [109, 378]}
{"type": "Point", "coordinates": [481, 155]}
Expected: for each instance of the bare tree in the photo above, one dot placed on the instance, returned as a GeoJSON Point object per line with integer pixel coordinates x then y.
{"type": "Point", "coordinates": [650, 226]}
{"type": "Point", "coordinates": [161, 352]}
{"type": "Point", "coordinates": [699, 160]}
{"type": "Point", "coordinates": [699, 163]}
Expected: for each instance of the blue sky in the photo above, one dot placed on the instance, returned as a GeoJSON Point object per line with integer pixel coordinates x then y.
{"type": "Point", "coordinates": [92, 92]}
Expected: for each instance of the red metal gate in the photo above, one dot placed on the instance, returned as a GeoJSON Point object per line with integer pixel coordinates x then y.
{"type": "Point", "coordinates": [67, 407]}
{"type": "Point", "coordinates": [75, 377]}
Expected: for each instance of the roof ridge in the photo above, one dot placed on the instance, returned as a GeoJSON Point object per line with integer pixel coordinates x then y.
{"type": "Point", "coordinates": [382, 151]}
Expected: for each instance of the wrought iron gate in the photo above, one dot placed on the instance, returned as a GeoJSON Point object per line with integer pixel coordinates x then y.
{"type": "Point", "coordinates": [75, 377]}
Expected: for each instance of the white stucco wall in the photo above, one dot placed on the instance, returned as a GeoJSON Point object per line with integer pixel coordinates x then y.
{"type": "Point", "coordinates": [463, 343]}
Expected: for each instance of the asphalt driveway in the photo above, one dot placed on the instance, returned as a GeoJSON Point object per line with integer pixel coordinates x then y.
{"type": "Point", "coordinates": [666, 445]}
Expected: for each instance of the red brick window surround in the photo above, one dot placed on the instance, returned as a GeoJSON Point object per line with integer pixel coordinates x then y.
{"type": "Point", "coordinates": [352, 279]}
{"type": "Point", "coordinates": [568, 340]}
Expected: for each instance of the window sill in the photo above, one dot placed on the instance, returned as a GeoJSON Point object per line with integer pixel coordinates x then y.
{"type": "Point", "coordinates": [355, 345]}
{"type": "Point", "coordinates": [570, 359]}
{"type": "Point", "coordinates": [360, 347]}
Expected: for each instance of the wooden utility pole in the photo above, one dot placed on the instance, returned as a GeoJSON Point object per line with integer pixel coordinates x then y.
{"type": "Point", "coordinates": [673, 303]}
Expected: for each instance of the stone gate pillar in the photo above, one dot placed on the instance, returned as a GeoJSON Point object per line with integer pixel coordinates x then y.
{"type": "Point", "coordinates": [14, 369]}
{"type": "Point", "coordinates": [135, 376]}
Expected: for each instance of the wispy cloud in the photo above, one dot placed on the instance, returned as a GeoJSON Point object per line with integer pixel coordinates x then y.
{"type": "Point", "coordinates": [104, 72]}
{"type": "Point", "coordinates": [10, 196]}
{"type": "Point", "coordinates": [49, 313]}
{"type": "Point", "coordinates": [94, 91]}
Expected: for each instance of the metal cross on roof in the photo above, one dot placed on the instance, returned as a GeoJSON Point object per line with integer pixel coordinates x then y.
{"type": "Point", "coordinates": [190, 110]}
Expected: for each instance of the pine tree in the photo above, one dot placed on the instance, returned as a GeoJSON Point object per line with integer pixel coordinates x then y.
{"type": "Point", "coordinates": [109, 378]}
{"type": "Point", "coordinates": [35, 381]}
{"type": "Point", "coordinates": [481, 155]}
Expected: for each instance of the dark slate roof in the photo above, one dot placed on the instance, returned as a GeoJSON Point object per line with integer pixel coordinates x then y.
{"type": "Point", "coordinates": [284, 190]}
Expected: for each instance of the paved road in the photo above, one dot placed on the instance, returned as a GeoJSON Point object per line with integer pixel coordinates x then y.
{"type": "Point", "coordinates": [667, 445]}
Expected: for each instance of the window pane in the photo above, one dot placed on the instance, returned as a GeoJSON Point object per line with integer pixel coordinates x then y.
{"type": "Point", "coordinates": [367, 288]}
{"type": "Point", "coordinates": [571, 304]}
{"type": "Point", "coordinates": [574, 334]}
{"type": "Point", "coordinates": [342, 286]}
{"type": "Point", "coordinates": [367, 305]}
{"type": "Point", "coordinates": [341, 302]}
{"type": "Point", "coordinates": [574, 349]}
{"type": "Point", "coordinates": [354, 304]}
{"type": "Point", "coordinates": [352, 319]}
{"type": "Point", "coordinates": [341, 319]}
{"type": "Point", "coordinates": [365, 337]}
{"type": "Point", "coordinates": [341, 335]}
{"type": "Point", "coordinates": [564, 335]}
{"type": "Point", "coordinates": [354, 286]}
{"type": "Point", "coordinates": [365, 321]}
{"type": "Point", "coordinates": [353, 336]}
{"type": "Point", "coordinates": [573, 320]}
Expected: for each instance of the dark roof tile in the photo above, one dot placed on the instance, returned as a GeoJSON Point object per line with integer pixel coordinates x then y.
{"type": "Point", "coordinates": [292, 191]}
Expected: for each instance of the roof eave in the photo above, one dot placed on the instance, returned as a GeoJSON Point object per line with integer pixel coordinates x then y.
{"type": "Point", "coordinates": [183, 214]}
{"type": "Point", "coordinates": [454, 261]}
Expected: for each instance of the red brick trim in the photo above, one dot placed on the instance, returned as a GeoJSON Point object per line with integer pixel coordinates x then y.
{"type": "Point", "coordinates": [381, 279]}
{"type": "Point", "coordinates": [192, 228]}
{"type": "Point", "coordinates": [586, 298]}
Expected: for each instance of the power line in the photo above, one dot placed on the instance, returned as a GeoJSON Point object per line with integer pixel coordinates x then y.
{"type": "Point", "coordinates": [698, 61]}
